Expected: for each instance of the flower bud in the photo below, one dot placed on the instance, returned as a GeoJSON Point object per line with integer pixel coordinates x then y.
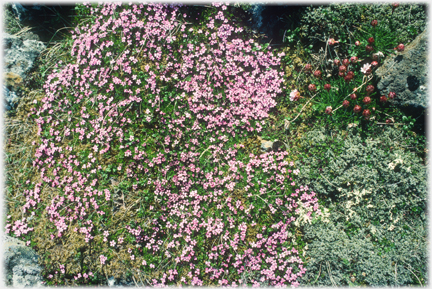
{"type": "Point", "coordinates": [369, 48]}
{"type": "Point", "coordinates": [400, 47]}
{"type": "Point", "coordinates": [345, 103]}
{"type": "Point", "coordinates": [327, 87]}
{"type": "Point", "coordinates": [366, 113]}
{"type": "Point", "coordinates": [308, 67]}
{"type": "Point", "coordinates": [357, 43]}
{"type": "Point", "coordinates": [374, 23]}
{"type": "Point", "coordinates": [371, 40]}
{"type": "Point", "coordinates": [388, 120]}
{"type": "Point", "coordinates": [366, 100]}
{"type": "Point", "coordinates": [312, 87]}
{"type": "Point", "coordinates": [383, 98]}
{"type": "Point", "coordinates": [357, 108]}
{"type": "Point", "coordinates": [345, 62]}
{"type": "Point", "coordinates": [342, 68]}
{"type": "Point", "coordinates": [336, 61]}
{"type": "Point", "coordinates": [354, 59]}
{"type": "Point", "coordinates": [374, 63]}
{"type": "Point", "coordinates": [317, 74]}
{"type": "Point", "coordinates": [353, 96]}
{"type": "Point", "coordinates": [328, 110]}
{"type": "Point", "coordinates": [332, 42]}
{"type": "Point", "coordinates": [370, 89]}
{"type": "Point", "coordinates": [341, 74]}
{"type": "Point", "coordinates": [348, 77]}
{"type": "Point", "coordinates": [391, 95]}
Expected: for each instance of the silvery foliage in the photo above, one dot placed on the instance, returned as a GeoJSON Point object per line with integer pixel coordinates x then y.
{"type": "Point", "coordinates": [376, 234]}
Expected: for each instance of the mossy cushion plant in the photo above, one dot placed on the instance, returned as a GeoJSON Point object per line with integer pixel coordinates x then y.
{"type": "Point", "coordinates": [376, 192]}
{"type": "Point", "coordinates": [142, 171]}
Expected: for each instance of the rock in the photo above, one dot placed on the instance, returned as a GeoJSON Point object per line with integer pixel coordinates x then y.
{"type": "Point", "coordinates": [26, 12]}
{"type": "Point", "coordinates": [406, 74]}
{"type": "Point", "coordinates": [11, 98]}
{"type": "Point", "coordinates": [19, 57]}
{"type": "Point", "coordinates": [20, 54]}
{"type": "Point", "coordinates": [21, 264]}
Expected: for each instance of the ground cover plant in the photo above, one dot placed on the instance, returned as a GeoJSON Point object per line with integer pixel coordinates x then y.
{"type": "Point", "coordinates": [142, 161]}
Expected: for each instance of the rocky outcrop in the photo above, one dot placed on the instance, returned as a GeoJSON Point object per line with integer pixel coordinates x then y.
{"type": "Point", "coordinates": [406, 74]}
{"type": "Point", "coordinates": [21, 264]}
{"type": "Point", "coordinates": [20, 53]}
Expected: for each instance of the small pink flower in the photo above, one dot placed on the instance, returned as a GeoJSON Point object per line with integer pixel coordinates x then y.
{"type": "Point", "coordinates": [357, 43]}
{"type": "Point", "coordinates": [328, 110]}
{"type": "Point", "coordinates": [391, 95]}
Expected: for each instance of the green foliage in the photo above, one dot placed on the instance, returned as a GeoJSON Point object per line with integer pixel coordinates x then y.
{"type": "Point", "coordinates": [339, 20]}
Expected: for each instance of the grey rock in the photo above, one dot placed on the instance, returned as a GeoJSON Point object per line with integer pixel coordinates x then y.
{"type": "Point", "coordinates": [11, 98]}
{"type": "Point", "coordinates": [20, 54]}
{"type": "Point", "coordinates": [25, 13]}
{"type": "Point", "coordinates": [406, 74]}
{"type": "Point", "coordinates": [19, 11]}
{"type": "Point", "coordinates": [21, 264]}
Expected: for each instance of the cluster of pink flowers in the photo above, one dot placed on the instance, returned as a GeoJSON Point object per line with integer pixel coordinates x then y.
{"type": "Point", "coordinates": [219, 85]}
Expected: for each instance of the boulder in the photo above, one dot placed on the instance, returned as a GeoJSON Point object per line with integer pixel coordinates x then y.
{"type": "Point", "coordinates": [406, 74]}
{"type": "Point", "coordinates": [21, 264]}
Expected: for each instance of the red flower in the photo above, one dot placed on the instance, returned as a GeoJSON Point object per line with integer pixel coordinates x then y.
{"type": "Point", "coordinates": [374, 23]}
{"type": "Point", "coordinates": [317, 74]}
{"type": "Point", "coordinates": [371, 40]}
{"type": "Point", "coordinates": [383, 98]}
{"type": "Point", "coordinates": [366, 113]}
{"type": "Point", "coordinates": [366, 100]}
{"type": "Point", "coordinates": [327, 87]}
{"type": "Point", "coordinates": [357, 108]}
{"type": "Point", "coordinates": [391, 95]}
{"type": "Point", "coordinates": [353, 96]}
{"type": "Point", "coordinates": [369, 48]}
{"type": "Point", "coordinates": [345, 103]}
{"type": "Point", "coordinates": [370, 89]}
{"type": "Point", "coordinates": [312, 87]}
